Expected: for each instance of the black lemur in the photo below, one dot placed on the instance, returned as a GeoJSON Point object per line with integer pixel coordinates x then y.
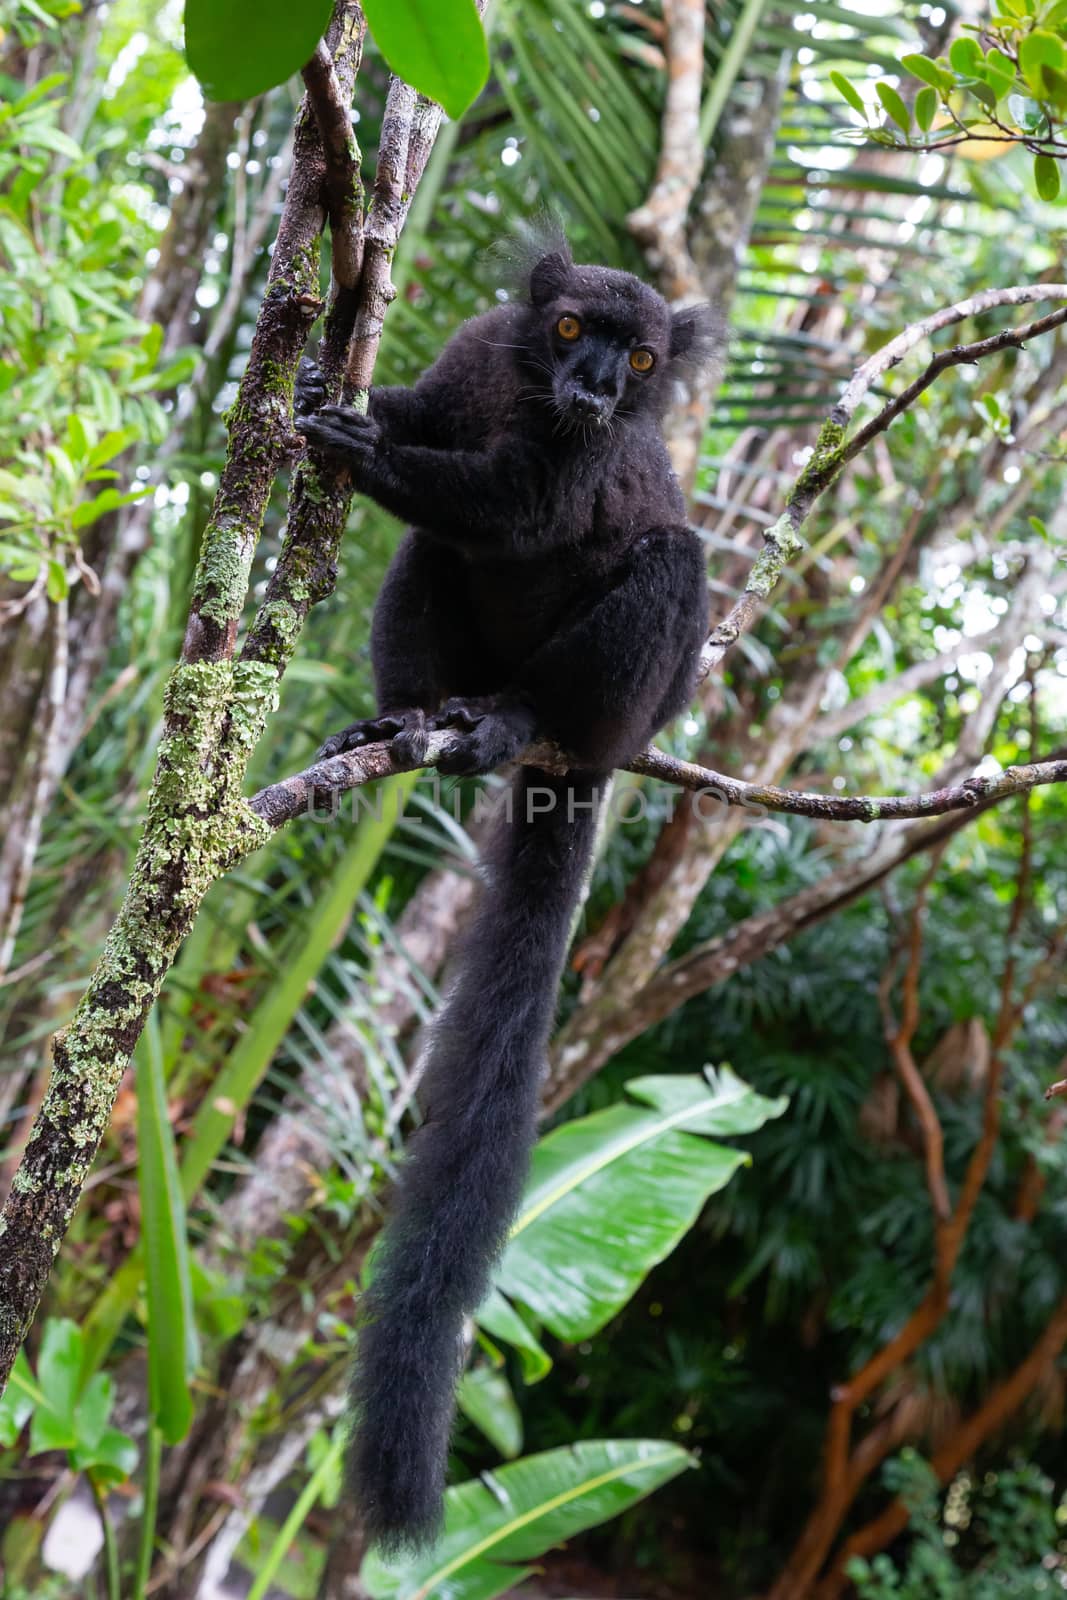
{"type": "Point", "coordinates": [549, 586]}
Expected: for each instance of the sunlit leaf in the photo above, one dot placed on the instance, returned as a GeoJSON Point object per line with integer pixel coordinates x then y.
{"type": "Point", "coordinates": [239, 48]}
{"type": "Point", "coordinates": [438, 46]}
{"type": "Point", "coordinates": [926, 108]}
{"type": "Point", "coordinates": [848, 92]}
{"type": "Point", "coordinates": [894, 105]}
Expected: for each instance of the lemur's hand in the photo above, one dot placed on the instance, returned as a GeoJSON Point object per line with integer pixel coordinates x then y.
{"type": "Point", "coordinates": [309, 390]}
{"type": "Point", "coordinates": [340, 431]}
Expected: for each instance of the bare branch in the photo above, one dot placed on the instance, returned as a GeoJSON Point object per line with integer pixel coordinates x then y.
{"type": "Point", "coordinates": [318, 786]}
{"type": "Point", "coordinates": [344, 183]}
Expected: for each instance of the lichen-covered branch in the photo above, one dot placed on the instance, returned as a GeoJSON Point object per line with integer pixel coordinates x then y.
{"type": "Point", "coordinates": [215, 710]}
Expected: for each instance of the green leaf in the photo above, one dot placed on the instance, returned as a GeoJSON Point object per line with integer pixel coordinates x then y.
{"type": "Point", "coordinates": [1036, 50]}
{"type": "Point", "coordinates": [1039, 528]}
{"type": "Point", "coordinates": [58, 1376]}
{"type": "Point", "coordinates": [438, 46]}
{"type": "Point", "coordinates": [17, 1401]}
{"type": "Point", "coordinates": [107, 500]}
{"type": "Point", "coordinates": [93, 1410]}
{"type": "Point", "coordinates": [999, 73]}
{"type": "Point", "coordinates": [499, 1317]}
{"type": "Point", "coordinates": [519, 1512]}
{"type": "Point", "coordinates": [112, 444]}
{"type": "Point", "coordinates": [894, 105]}
{"type": "Point", "coordinates": [57, 584]}
{"type": "Point", "coordinates": [926, 108]}
{"type": "Point", "coordinates": [1055, 86]}
{"type": "Point", "coordinates": [966, 56]}
{"type": "Point", "coordinates": [611, 1194]}
{"type": "Point", "coordinates": [849, 93]}
{"type": "Point", "coordinates": [925, 70]}
{"type": "Point", "coordinates": [172, 1341]}
{"type": "Point", "coordinates": [485, 1397]}
{"type": "Point", "coordinates": [1047, 177]}
{"type": "Point", "coordinates": [239, 48]}
{"type": "Point", "coordinates": [112, 1460]}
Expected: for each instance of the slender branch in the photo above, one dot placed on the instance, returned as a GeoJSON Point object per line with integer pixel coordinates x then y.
{"type": "Point", "coordinates": [899, 1037]}
{"type": "Point", "coordinates": [660, 224]}
{"type": "Point", "coordinates": [343, 179]}
{"type": "Point", "coordinates": [318, 786]}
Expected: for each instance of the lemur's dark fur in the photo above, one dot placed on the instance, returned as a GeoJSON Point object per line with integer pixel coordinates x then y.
{"type": "Point", "coordinates": [549, 585]}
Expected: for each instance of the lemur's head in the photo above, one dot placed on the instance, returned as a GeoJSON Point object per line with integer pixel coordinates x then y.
{"type": "Point", "coordinates": [604, 344]}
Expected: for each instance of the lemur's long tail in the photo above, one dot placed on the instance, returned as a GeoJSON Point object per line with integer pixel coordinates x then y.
{"type": "Point", "coordinates": [462, 1180]}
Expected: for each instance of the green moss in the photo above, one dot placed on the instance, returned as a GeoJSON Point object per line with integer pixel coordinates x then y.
{"type": "Point", "coordinates": [780, 544]}
{"type": "Point", "coordinates": [824, 465]}
{"type": "Point", "coordinates": [222, 572]}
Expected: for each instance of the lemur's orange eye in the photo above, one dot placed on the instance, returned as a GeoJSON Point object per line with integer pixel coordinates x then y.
{"type": "Point", "coordinates": [568, 328]}
{"type": "Point", "coordinates": [642, 360]}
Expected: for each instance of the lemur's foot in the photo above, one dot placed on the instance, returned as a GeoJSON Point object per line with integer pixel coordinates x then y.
{"type": "Point", "coordinates": [491, 733]}
{"type": "Point", "coordinates": [407, 731]}
{"type": "Point", "coordinates": [339, 430]}
{"type": "Point", "coordinates": [465, 711]}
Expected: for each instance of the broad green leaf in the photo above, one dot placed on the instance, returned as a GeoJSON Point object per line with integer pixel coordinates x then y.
{"type": "Point", "coordinates": [172, 1342]}
{"type": "Point", "coordinates": [111, 1461]}
{"type": "Point", "coordinates": [1055, 83]}
{"type": "Point", "coordinates": [1039, 528]}
{"type": "Point", "coordinates": [925, 70]}
{"type": "Point", "coordinates": [517, 1513]}
{"type": "Point", "coordinates": [926, 108]}
{"type": "Point", "coordinates": [1047, 177]}
{"type": "Point", "coordinates": [999, 73]}
{"type": "Point", "coordinates": [848, 92]}
{"type": "Point", "coordinates": [58, 1375]}
{"type": "Point", "coordinates": [485, 1397]}
{"type": "Point", "coordinates": [239, 48]}
{"type": "Point", "coordinates": [17, 1401]}
{"type": "Point", "coordinates": [438, 46]}
{"type": "Point", "coordinates": [93, 1410]}
{"type": "Point", "coordinates": [611, 1194]}
{"type": "Point", "coordinates": [894, 105]}
{"type": "Point", "coordinates": [966, 56]}
{"type": "Point", "coordinates": [1036, 50]}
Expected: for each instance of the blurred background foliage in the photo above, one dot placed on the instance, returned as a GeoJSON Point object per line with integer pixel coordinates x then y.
{"type": "Point", "coordinates": [192, 1403]}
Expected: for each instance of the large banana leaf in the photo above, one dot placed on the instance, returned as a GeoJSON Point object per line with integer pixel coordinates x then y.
{"type": "Point", "coordinates": [515, 1514]}
{"type": "Point", "coordinates": [611, 1194]}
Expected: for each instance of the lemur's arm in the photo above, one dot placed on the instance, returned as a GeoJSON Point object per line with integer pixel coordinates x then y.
{"type": "Point", "coordinates": [477, 500]}
{"type": "Point", "coordinates": [403, 412]}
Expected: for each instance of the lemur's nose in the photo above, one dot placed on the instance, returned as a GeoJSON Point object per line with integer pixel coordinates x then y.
{"type": "Point", "coordinates": [589, 405]}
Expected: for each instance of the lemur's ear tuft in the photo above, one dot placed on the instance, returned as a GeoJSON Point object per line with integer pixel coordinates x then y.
{"type": "Point", "coordinates": [696, 335]}
{"type": "Point", "coordinates": [533, 261]}
{"type": "Point", "coordinates": [548, 276]}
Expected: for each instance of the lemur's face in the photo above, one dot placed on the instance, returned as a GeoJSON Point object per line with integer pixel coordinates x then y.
{"type": "Point", "coordinates": [602, 342]}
